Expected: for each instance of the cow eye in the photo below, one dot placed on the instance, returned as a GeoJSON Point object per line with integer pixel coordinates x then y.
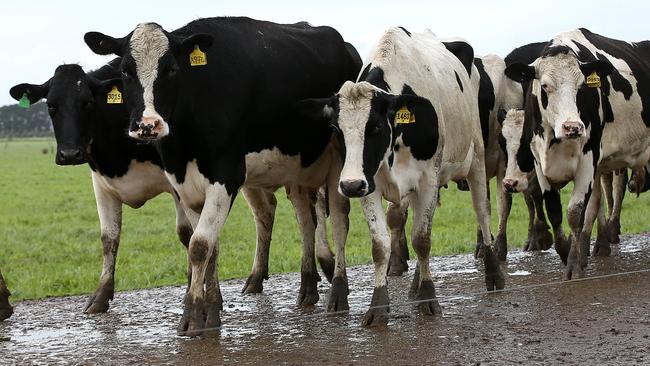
{"type": "Point", "coordinates": [546, 88]}
{"type": "Point", "coordinates": [51, 108]}
{"type": "Point", "coordinates": [172, 71]}
{"type": "Point", "coordinates": [126, 74]}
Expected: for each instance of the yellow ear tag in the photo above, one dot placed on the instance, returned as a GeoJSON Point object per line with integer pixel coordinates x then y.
{"type": "Point", "coordinates": [114, 96]}
{"type": "Point", "coordinates": [403, 115]}
{"type": "Point", "coordinates": [593, 80]}
{"type": "Point", "coordinates": [197, 57]}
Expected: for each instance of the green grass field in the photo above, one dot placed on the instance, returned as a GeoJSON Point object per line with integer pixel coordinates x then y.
{"type": "Point", "coordinates": [49, 231]}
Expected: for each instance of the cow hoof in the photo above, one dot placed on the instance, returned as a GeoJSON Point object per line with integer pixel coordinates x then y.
{"type": "Point", "coordinates": [614, 232]}
{"type": "Point", "coordinates": [542, 239]}
{"type": "Point", "coordinates": [193, 321]}
{"type": "Point", "coordinates": [574, 269]}
{"type": "Point", "coordinates": [562, 247]}
{"type": "Point", "coordinates": [602, 249]}
{"type": "Point", "coordinates": [327, 265]}
{"type": "Point", "coordinates": [377, 315]}
{"type": "Point", "coordinates": [479, 252]}
{"type": "Point", "coordinates": [426, 298]}
{"type": "Point", "coordinates": [98, 302]}
{"type": "Point", "coordinates": [254, 284]}
{"type": "Point", "coordinates": [6, 312]}
{"type": "Point", "coordinates": [397, 266]}
{"type": "Point", "coordinates": [339, 291]}
{"type": "Point", "coordinates": [494, 278]}
{"type": "Point", "coordinates": [308, 294]}
{"type": "Point", "coordinates": [502, 247]}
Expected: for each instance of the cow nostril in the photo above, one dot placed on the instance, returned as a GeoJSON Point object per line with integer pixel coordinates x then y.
{"type": "Point", "coordinates": [156, 122]}
{"type": "Point", "coordinates": [353, 188]}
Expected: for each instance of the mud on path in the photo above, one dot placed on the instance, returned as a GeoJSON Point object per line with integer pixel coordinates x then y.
{"type": "Point", "coordinates": [603, 320]}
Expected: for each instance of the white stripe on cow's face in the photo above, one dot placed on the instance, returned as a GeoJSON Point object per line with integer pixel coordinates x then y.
{"type": "Point", "coordinates": [148, 44]}
{"type": "Point", "coordinates": [512, 128]}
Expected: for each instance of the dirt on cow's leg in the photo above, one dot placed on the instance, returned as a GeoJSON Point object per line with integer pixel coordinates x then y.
{"type": "Point", "coordinates": [399, 254]}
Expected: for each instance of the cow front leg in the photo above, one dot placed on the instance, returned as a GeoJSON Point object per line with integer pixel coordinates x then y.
{"type": "Point", "coordinates": [303, 200]}
{"type": "Point", "coordinates": [542, 238]}
{"type": "Point", "coordinates": [5, 307]}
{"type": "Point", "coordinates": [324, 254]}
{"type": "Point", "coordinates": [263, 205]}
{"type": "Point", "coordinates": [200, 305]}
{"type": "Point", "coordinates": [184, 230]}
{"type": "Point", "coordinates": [580, 238]}
{"type": "Point", "coordinates": [596, 208]}
{"type": "Point", "coordinates": [399, 254]}
{"type": "Point", "coordinates": [373, 211]}
{"type": "Point", "coordinates": [109, 209]}
{"type": "Point", "coordinates": [424, 206]}
{"type": "Point", "coordinates": [504, 204]}
{"type": "Point", "coordinates": [339, 214]}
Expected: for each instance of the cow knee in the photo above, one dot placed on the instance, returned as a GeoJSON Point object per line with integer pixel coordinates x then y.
{"type": "Point", "coordinates": [198, 250]}
{"type": "Point", "coordinates": [422, 245]}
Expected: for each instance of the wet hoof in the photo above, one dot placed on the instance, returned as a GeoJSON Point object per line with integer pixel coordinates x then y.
{"type": "Point", "coordinates": [542, 239]}
{"type": "Point", "coordinates": [494, 279]}
{"type": "Point", "coordinates": [426, 297]}
{"type": "Point", "coordinates": [614, 232]}
{"type": "Point", "coordinates": [193, 321]}
{"type": "Point", "coordinates": [308, 295]}
{"type": "Point", "coordinates": [254, 284]}
{"type": "Point", "coordinates": [97, 303]}
{"type": "Point", "coordinates": [415, 284]}
{"type": "Point", "coordinates": [327, 265]}
{"type": "Point", "coordinates": [501, 244]}
{"type": "Point", "coordinates": [602, 249]}
{"type": "Point", "coordinates": [562, 247]}
{"type": "Point", "coordinates": [397, 265]}
{"type": "Point", "coordinates": [339, 291]}
{"type": "Point", "coordinates": [213, 306]}
{"type": "Point", "coordinates": [5, 308]}
{"type": "Point", "coordinates": [377, 315]}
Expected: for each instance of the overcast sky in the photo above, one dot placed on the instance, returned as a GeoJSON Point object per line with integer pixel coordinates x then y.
{"type": "Point", "coordinates": [37, 36]}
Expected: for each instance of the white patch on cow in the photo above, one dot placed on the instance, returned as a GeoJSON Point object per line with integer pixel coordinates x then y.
{"type": "Point", "coordinates": [512, 128]}
{"type": "Point", "coordinates": [142, 182]}
{"type": "Point", "coordinates": [148, 44]}
{"type": "Point", "coordinates": [192, 189]}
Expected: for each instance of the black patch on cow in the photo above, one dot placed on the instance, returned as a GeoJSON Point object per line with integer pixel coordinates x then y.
{"type": "Point", "coordinates": [544, 98]}
{"type": "Point", "coordinates": [619, 83]}
{"type": "Point", "coordinates": [377, 138]}
{"type": "Point", "coordinates": [637, 57]}
{"type": "Point", "coordinates": [486, 99]}
{"type": "Point", "coordinates": [532, 125]}
{"type": "Point", "coordinates": [422, 136]}
{"type": "Point", "coordinates": [460, 84]}
{"type": "Point", "coordinates": [464, 52]}
{"type": "Point", "coordinates": [588, 101]}
{"type": "Point", "coordinates": [405, 31]}
{"type": "Point", "coordinates": [554, 140]}
{"type": "Point", "coordinates": [364, 73]}
{"type": "Point", "coordinates": [525, 55]}
{"type": "Point", "coordinates": [553, 50]}
{"type": "Point", "coordinates": [503, 145]}
{"type": "Point", "coordinates": [376, 77]}
{"type": "Point", "coordinates": [553, 205]}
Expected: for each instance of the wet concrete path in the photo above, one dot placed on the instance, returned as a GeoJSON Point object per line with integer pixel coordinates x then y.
{"type": "Point", "coordinates": [601, 320]}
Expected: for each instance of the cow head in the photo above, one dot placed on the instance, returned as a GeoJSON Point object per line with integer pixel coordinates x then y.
{"type": "Point", "coordinates": [363, 116]}
{"type": "Point", "coordinates": [152, 61]}
{"type": "Point", "coordinates": [71, 97]}
{"type": "Point", "coordinates": [559, 79]}
{"type": "Point", "coordinates": [512, 125]}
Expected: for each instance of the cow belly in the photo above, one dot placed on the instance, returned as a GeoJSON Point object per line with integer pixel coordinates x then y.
{"type": "Point", "coordinates": [622, 148]}
{"type": "Point", "coordinates": [142, 182]}
{"type": "Point", "coordinates": [270, 169]}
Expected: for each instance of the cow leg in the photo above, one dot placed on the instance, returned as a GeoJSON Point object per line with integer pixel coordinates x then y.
{"type": "Point", "coordinates": [601, 247]}
{"type": "Point", "coordinates": [494, 278]}
{"type": "Point", "coordinates": [324, 254]}
{"type": "Point", "coordinates": [424, 206]}
{"type": "Point", "coordinates": [302, 199]}
{"type": "Point", "coordinates": [399, 254]}
{"type": "Point", "coordinates": [184, 230]}
{"type": "Point", "coordinates": [5, 307]}
{"type": "Point", "coordinates": [109, 209]}
{"type": "Point", "coordinates": [204, 250]}
{"type": "Point", "coordinates": [543, 240]}
{"type": "Point", "coordinates": [339, 214]}
{"type": "Point", "coordinates": [504, 204]}
{"type": "Point", "coordinates": [618, 193]}
{"type": "Point", "coordinates": [530, 205]}
{"type": "Point", "coordinates": [263, 206]}
{"type": "Point", "coordinates": [377, 314]}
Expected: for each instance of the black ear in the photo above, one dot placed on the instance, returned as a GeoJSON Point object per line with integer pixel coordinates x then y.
{"type": "Point", "coordinates": [520, 72]}
{"type": "Point", "coordinates": [186, 45]}
{"type": "Point", "coordinates": [34, 92]}
{"type": "Point", "coordinates": [601, 67]}
{"type": "Point", "coordinates": [501, 115]}
{"type": "Point", "coordinates": [101, 87]}
{"type": "Point", "coordinates": [412, 102]}
{"type": "Point", "coordinates": [102, 44]}
{"type": "Point", "coordinates": [319, 110]}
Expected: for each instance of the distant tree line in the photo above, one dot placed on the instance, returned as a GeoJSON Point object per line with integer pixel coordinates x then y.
{"type": "Point", "coordinates": [21, 122]}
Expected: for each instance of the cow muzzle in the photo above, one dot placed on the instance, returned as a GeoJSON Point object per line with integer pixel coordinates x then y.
{"type": "Point", "coordinates": [149, 128]}
{"type": "Point", "coordinates": [74, 156]}
{"type": "Point", "coordinates": [353, 188]}
{"type": "Point", "coordinates": [513, 185]}
{"type": "Point", "coordinates": [573, 129]}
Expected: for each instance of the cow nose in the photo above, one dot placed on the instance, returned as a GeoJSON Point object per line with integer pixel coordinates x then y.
{"type": "Point", "coordinates": [148, 124]}
{"type": "Point", "coordinates": [573, 129]}
{"type": "Point", "coordinates": [510, 185]}
{"type": "Point", "coordinates": [353, 188]}
{"type": "Point", "coordinates": [70, 157]}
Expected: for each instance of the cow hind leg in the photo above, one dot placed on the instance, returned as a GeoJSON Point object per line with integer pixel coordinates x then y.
{"type": "Point", "coordinates": [184, 230]}
{"type": "Point", "coordinates": [5, 307]}
{"type": "Point", "coordinates": [618, 193]}
{"type": "Point", "coordinates": [263, 205]}
{"type": "Point", "coordinates": [339, 212]}
{"type": "Point", "coordinates": [504, 204]}
{"type": "Point", "coordinates": [601, 247]}
{"type": "Point", "coordinates": [543, 240]}
{"type": "Point", "coordinates": [399, 254]}
{"type": "Point", "coordinates": [324, 254]}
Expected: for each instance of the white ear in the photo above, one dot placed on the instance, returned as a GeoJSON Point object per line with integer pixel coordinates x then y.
{"type": "Point", "coordinates": [387, 184]}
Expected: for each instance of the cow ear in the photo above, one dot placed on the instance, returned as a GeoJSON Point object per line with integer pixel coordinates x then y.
{"type": "Point", "coordinates": [186, 45]}
{"type": "Point", "coordinates": [102, 87]}
{"type": "Point", "coordinates": [32, 91]}
{"type": "Point", "coordinates": [319, 110]}
{"type": "Point", "coordinates": [600, 67]}
{"type": "Point", "coordinates": [411, 102]}
{"type": "Point", "coordinates": [520, 72]}
{"type": "Point", "coordinates": [102, 44]}
{"type": "Point", "coordinates": [501, 115]}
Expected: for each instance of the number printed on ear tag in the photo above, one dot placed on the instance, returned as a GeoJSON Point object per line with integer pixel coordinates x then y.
{"type": "Point", "coordinates": [593, 80]}
{"type": "Point", "coordinates": [403, 116]}
{"type": "Point", "coordinates": [197, 57]}
{"type": "Point", "coordinates": [114, 96]}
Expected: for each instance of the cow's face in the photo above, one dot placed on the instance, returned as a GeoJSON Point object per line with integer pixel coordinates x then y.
{"type": "Point", "coordinates": [363, 116]}
{"type": "Point", "coordinates": [70, 95]}
{"type": "Point", "coordinates": [512, 125]}
{"type": "Point", "coordinates": [559, 78]}
{"type": "Point", "coordinates": [153, 62]}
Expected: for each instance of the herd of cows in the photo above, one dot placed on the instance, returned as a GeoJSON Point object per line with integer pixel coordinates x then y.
{"type": "Point", "coordinates": [236, 103]}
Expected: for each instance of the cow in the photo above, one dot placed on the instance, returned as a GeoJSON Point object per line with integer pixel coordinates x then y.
{"type": "Point", "coordinates": [218, 96]}
{"type": "Point", "coordinates": [640, 180]}
{"type": "Point", "coordinates": [398, 126]}
{"type": "Point", "coordinates": [90, 129]}
{"type": "Point", "coordinates": [587, 114]}
{"type": "Point", "coordinates": [5, 307]}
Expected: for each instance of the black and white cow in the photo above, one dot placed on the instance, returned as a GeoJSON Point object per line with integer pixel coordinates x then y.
{"type": "Point", "coordinates": [5, 307]}
{"type": "Point", "coordinates": [399, 128]}
{"type": "Point", "coordinates": [219, 96]}
{"type": "Point", "coordinates": [587, 114]}
{"type": "Point", "coordinates": [640, 180]}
